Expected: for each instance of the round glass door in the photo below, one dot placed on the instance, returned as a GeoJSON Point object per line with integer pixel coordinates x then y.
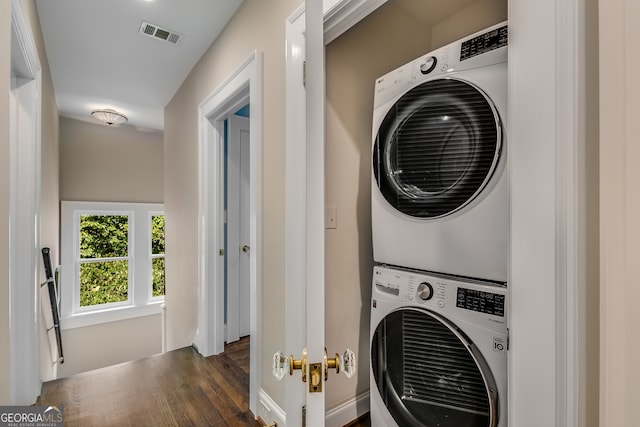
{"type": "Point", "coordinates": [437, 148]}
{"type": "Point", "coordinates": [429, 374]}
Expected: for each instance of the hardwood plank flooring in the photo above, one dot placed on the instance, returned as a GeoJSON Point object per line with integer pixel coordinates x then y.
{"type": "Point", "coordinates": [177, 388]}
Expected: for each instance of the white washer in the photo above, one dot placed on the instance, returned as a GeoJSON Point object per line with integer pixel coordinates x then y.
{"type": "Point", "coordinates": [438, 351]}
{"type": "Point", "coordinates": [439, 182]}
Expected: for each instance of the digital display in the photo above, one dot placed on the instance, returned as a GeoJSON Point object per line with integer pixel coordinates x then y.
{"type": "Point", "coordinates": [486, 42]}
{"type": "Point", "coordinates": [483, 302]}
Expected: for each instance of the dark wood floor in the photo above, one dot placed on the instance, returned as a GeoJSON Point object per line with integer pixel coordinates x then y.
{"type": "Point", "coordinates": [177, 388]}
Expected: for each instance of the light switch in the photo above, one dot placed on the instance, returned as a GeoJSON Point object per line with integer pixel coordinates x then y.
{"type": "Point", "coordinates": [331, 217]}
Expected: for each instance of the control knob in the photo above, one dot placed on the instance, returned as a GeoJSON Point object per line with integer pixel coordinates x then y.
{"type": "Point", "coordinates": [428, 65]}
{"type": "Point", "coordinates": [425, 291]}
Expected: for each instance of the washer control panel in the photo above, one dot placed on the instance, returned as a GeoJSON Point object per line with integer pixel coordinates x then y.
{"type": "Point", "coordinates": [480, 301]}
{"type": "Point", "coordinates": [439, 292]}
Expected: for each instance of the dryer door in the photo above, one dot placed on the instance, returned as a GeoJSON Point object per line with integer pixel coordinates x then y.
{"type": "Point", "coordinates": [437, 148]}
{"type": "Point", "coordinates": [429, 374]}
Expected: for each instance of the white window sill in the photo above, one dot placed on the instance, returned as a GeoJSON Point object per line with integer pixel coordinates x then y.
{"type": "Point", "coordinates": [80, 320]}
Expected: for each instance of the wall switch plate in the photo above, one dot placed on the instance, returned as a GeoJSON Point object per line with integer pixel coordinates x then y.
{"type": "Point", "coordinates": [331, 217]}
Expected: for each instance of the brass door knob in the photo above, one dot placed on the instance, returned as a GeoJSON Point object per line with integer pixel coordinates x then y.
{"type": "Point", "coordinates": [300, 364]}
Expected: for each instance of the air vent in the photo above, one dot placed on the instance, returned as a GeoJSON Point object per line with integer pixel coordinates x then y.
{"type": "Point", "coordinates": [160, 33]}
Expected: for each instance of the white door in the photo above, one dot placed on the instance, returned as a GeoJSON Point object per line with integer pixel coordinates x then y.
{"type": "Point", "coordinates": [304, 214]}
{"type": "Point", "coordinates": [238, 249]}
{"type": "Point", "coordinates": [304, 222]}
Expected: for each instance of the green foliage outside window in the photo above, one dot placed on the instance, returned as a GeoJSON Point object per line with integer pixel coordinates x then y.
{"type": "Point", "coordinates": [103, 236]}
{"type": "Point", "coordinates": [106, 236]}
{"type": "Point", "coordinates": [158, 276]}
{"type": "Point", "coordinates": [103, 282]}
{"type": "Point", "coordinates": [157, 248]}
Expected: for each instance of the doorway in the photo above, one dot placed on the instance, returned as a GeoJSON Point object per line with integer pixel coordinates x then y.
{"type": "Point", "coordinates": [237, 251]}
{"type": "Point", "coordinates": [242, 87]}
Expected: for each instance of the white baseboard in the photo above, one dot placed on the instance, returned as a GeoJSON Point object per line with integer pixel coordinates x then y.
{"type": "Point", "coordinates": [337, 416]}
{"type": "Point", "coordinates": [348, 411]}
{"type": "Point", "coordinates": [269, 410]}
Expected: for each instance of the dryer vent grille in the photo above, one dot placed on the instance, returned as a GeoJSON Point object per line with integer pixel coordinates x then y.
{"type": "Point", "coordinates": [438, 368]}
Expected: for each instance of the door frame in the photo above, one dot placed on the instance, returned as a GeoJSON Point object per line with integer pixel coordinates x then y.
{"type": "Point", "coordinates": [243, 86]}
{"type": "Point", "coordinates": [24, 223]}
{"type": "Point", "coordinates": [547, 162]}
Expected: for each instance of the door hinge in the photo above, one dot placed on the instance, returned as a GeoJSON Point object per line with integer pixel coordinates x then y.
{"type": "Point", "coordinates": [304, 416]}
{"type": "Point", "coordinates": [225, 216]}
{"type": "Point", "coordinates": [304, 73]}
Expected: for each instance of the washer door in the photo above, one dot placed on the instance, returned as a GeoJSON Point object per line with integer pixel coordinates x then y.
{"type": "Point", "coordinates": [437, 148]}
{"type": "Point", "coordinates": [429, 374]}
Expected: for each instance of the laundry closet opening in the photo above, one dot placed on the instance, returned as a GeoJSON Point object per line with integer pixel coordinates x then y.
{"type": "Point", "coordinates": [395, 34]}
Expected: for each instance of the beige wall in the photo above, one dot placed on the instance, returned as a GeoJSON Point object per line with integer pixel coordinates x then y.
{"type": "Point", "coordinates": [354, 61]}
{"type": "Point", "coordinates": [478, 15]}
{"type": "Point", "coordinates": [110, 164]}
{"type": "Point", "coordinates": [106, 344]}
{"type": "Point", "coordinates": [256, 25]}
{"type": "Point", "coordinates": [619, 213]}
{"type": "Point", "coordinates": [589, 315]}
{"type": "Point", "coordinates": [5, 54]}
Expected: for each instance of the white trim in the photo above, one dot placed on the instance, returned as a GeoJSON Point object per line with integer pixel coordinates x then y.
{"type": "Point", "coordinates": [24, 223]}
{"type": "Point", "coordinates": [545, 262]}
{"type": "Point", "coordinates": [245, 83]}
{"type": "Point", "coordinates": [270, 411]}
{"type": "Point", "coordinates": [114, 314]}
{"type": "Point", "coordinates": [348, 411]}
{"type": "Point", "coordinates": [570, 138]}
{"type": "Point", "coordinates": [345, 15]}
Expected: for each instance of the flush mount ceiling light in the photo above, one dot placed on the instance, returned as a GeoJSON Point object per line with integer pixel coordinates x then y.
{"type": "Point", "coordinates": [110, 117]}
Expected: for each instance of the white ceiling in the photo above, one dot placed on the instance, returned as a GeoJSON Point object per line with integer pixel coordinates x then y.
{"type": "Point", "coordinates": [99, 59]}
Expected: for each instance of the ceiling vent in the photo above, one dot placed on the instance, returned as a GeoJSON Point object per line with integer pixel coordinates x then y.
{"type": "Point", "coordinates": [160, 33]}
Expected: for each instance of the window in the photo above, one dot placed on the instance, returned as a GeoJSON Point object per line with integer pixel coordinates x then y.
{"type": "Point", "coordinates": [112, 261]}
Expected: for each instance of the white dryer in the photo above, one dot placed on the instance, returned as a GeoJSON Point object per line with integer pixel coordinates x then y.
{"type": "Point", "coordinates": [438, 351]}
{"type": "Point", "coordinates": [439, 183]}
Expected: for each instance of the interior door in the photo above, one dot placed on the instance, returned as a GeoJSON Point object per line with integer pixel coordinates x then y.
{"type": "Point", "coordinates": [238, 250]}
{"type": "Point", "coordinates": [314, 313]}
{"type": "Point", "coordinates": [304, 222]}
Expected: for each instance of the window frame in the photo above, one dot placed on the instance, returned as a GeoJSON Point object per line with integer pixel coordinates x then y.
{"type": "Point", "coordinates": [140, 301]}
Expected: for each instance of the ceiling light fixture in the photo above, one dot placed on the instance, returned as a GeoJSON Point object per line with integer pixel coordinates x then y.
{"type": "Point", "coordinates": [110, 117]}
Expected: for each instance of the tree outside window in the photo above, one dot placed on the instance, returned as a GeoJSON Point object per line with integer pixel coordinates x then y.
{"type": "Point", "coordinates": [157, 254]}
{"type": "Point", "coordinates": [104, 259]}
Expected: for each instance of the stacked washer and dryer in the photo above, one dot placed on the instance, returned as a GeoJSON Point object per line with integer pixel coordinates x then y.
{"type": "Point", "coordinates": [440, 218]}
